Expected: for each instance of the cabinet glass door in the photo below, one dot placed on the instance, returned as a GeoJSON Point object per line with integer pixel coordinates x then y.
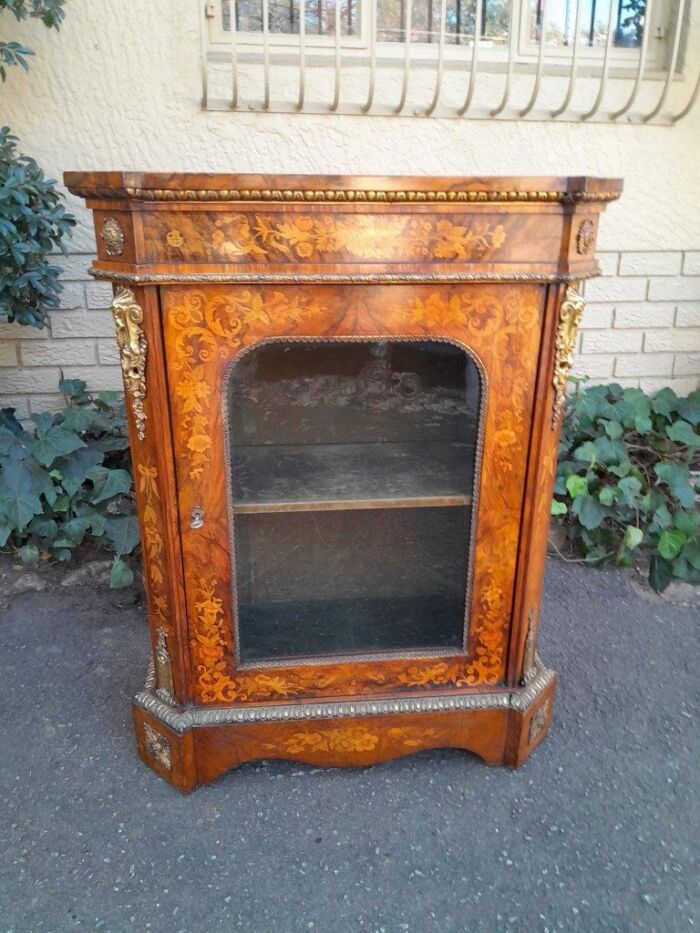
{"type": "Point", "coordinates": [351, 484]}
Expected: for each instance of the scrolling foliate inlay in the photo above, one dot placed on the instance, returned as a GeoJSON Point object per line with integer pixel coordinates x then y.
{"type": "Point", "coordinates": [128, 317]}
{"type": "Point", "coordinates": [308, 238]}
{"type": "Point", "coordinates": [216, 326]}
{"type": "Point", "coordinates": [500, 322]}
{"type": "Point", "coordinates": [570, 315]}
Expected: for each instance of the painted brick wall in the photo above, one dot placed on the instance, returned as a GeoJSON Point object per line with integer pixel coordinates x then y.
{"type": "Point", "coordinates": [641, 328]}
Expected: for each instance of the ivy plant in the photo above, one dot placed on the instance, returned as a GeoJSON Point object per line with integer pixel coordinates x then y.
{"type": "Point", "coordinates": [627, 480]}
{"type": "Point", "coordinates": [67, 480]}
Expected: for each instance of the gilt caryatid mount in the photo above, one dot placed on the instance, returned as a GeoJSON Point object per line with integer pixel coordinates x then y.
{"type": "Point", "coordinates": [344, 400]}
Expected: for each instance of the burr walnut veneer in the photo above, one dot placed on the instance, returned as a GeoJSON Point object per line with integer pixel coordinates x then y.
{"type": "Point", "coordinates": [344, 401]}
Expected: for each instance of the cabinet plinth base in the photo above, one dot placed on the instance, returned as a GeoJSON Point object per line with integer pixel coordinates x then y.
{"type": "Point", "coordinates": [195, 745]}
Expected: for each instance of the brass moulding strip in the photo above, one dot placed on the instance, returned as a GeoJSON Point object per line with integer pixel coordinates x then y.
{"type": "Point", "coordinates": [128, 318]}
{"type": "Point", "coordinates": [335, 278]}
{"type": "Point", "coordinates": [570, 314]}
{"type": "Point", "coordinates": [333, 195]}
{"type": "Point", "coordinates": [182, 719]}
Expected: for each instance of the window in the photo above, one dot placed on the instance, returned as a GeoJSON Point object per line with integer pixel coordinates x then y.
{"type": "Point", "coordinates": [495, 23]}
{"type": "Point", "coordinates": [619, 60]}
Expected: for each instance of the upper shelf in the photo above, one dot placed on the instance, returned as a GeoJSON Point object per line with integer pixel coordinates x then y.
{"type": "Point", "coordinates": [322, 477]}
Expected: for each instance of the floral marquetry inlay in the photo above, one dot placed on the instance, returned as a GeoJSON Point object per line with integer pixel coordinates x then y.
{"type": "Point", "coordinates": [266, 238]}
{"type": "Point", "coordinates": [210, 327]}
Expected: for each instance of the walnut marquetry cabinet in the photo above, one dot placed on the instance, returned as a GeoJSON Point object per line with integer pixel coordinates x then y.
{"type": "Point", "coordinates": [344, 400]}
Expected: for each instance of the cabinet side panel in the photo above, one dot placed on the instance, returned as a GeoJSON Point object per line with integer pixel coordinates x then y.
{"type": "Point", "coordinates": [541, 471]}
{"type": "Point", "coordinates": [139, 335]}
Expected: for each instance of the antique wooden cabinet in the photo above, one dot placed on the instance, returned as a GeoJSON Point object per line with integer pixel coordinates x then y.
{"type": "Point", "coordinates": [345, 395]}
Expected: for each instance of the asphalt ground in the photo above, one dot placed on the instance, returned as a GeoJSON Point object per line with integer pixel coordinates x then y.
{"type": "Point", "coordinates": [598, 831]}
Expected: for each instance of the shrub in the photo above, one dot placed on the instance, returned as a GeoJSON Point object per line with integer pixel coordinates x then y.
{"type": "Point", "coordinates": [33, 223]}
{"type": "Point", "coordinates": [68, 480]}
{"type": "Point", "coordinates": [627, 480]}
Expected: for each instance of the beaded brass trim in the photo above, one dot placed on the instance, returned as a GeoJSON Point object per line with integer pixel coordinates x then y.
{"type": "Point", "coordinates": [342, 195]}
{"type": "Point", "coordinates": [569, 317]}
{"type": "Point", "coordinates": [128, 317]}
{"type": "Point", "coordinates": [182, 719]}
{"type": "Point", "coordinates": [347, 278]}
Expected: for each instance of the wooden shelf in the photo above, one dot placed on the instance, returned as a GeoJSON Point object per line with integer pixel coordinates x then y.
{"type": "Point", "coordinates": [304, 478]}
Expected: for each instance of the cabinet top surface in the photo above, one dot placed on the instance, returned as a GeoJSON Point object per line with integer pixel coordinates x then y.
{"type": "Point", "coordinates": [195, 186]}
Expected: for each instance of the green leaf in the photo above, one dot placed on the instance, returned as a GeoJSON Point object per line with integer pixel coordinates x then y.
{"type": "Point", "coordinates": [642, 424]}
{"type": "Point", "coordinates": [676, 477]}
{"type": "Point", "coordinates": [6, 530]}
{"type": "Point", "coordinates": [691, 552]}
{"type": "Point", "coordinates": [662, 519]}
{"type": "Point", "coordinates": [607, 495]}
{"type": "Point", "coordinates": [664, 403]}
{"type": "Point", "coordinates": [72, 532]}
{"type": "Point", "coordinates": [55, 442]}
{"type": "Point", "coordinates": [109, 483]}
{"type": "Point", "coordinates": [75, 468]}
{"type": "Point", "coordinates": [558, 508]}
{"type": "Point", "coordinates": [123, 532]}
{"type": "Point", "coordinates": [19, 503]}
{"type": "Point", "coordinates": [43, 527]}
{"type": "Point", "coordinates": [586, 453]}
{"type": "Point", "coordinates": [687, 522]}
{"type": "Point", "coordinates": [608, 451]}
{"type": "Point", "coordinates": [78, 420]}
{"type": "Point", "coordinates": [589, 512]}
{"type": "Point", "coordinates": [621, 469]}
{"type": "Point", "coordinates": [121, 574]}
{"type": "Point", "coordinates": [73, 389]}
{"type": "Point", "coordinates": [689, 408]}
{"type": "Point", "coordinates": [681, 568]}
{"type": "Point", "coordinates": [660, 573]}
{"type": "Point", "coordinates": [682, 433]}
{"type": "Point", "coordinates": [28, 554]}
{"type": "Point", "coordinates": [576, 485]}
{"type": "Point", "coordinates": [633, 537]}
{"type": "Point", "coordinates": [630, 487]}
{"type": "Point", "coordinates": [12, 445]}
{"type": "Point", "coordinates": [612, 428]}
{"type": "Point", "coordinates": [671, 543]}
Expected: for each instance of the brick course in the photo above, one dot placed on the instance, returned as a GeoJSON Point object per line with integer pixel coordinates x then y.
{"type": "Point", "coordinates": [641, 328]}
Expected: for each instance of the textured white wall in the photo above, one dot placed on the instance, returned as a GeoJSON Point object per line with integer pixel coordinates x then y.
{"type": "Point", "coordinates": [119, 88]}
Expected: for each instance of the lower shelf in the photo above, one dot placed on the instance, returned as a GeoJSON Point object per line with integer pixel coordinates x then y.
{"type": "Point", "coordinates": [336, 627]}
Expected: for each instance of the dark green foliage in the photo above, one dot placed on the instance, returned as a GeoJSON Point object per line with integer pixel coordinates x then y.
{"type": "Point", "coordinates": [68, 481]}
{"type": "Point", "coordinates": [627, 480]}
{"type": "Point", "coordinates": [51, 14]}
{"type": "Point", "coordinates": [33, 223]}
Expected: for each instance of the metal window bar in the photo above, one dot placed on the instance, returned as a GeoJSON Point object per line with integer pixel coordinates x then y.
{"type": "Point", "coordinates": [656, 96]}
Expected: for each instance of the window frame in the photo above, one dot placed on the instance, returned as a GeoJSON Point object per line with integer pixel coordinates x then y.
{"type": "Point", "coordinates": [525, 50]}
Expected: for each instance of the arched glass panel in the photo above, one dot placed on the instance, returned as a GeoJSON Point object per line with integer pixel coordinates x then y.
{"type": "Point", "coordinates": [352, 489]}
